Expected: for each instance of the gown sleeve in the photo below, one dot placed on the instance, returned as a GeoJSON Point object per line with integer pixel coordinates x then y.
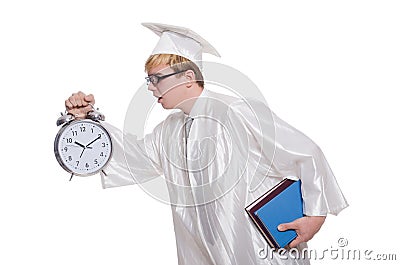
{"type": "Point", "coordinates": [294, 155]}
{"type": "Point", "coordinates": [132, 161]}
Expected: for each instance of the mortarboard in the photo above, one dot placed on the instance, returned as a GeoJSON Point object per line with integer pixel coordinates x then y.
{"type": "Point", "coordinates": [180, 41]}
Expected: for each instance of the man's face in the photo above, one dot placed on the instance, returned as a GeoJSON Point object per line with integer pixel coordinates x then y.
{"type": "Point", "coordinates": [170, 91]}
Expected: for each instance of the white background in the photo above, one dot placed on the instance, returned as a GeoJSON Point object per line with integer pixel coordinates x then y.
{"type": "Point", "coordinates": [329, 68]}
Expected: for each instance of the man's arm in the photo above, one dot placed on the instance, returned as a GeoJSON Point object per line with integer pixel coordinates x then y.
{"type": "Point", "coordinates": [292, 154]}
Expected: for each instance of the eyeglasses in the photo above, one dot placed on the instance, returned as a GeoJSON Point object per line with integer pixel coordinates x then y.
{"type": "Point", "coordinates": [154, 79]}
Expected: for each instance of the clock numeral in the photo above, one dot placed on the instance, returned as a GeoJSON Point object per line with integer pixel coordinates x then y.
{"type": "Point", "coordinates": [99, 135]}
{"type": "Point", "coordinates": [74, 133]}
{"type": "Point", "coordinates": [103, 144]}
{"type": "Point", "coordinates": [91, 129]}
{"type": "Point", "coordinates": [69, 140]}
{"type": "Point", "coordinates": [77, 163]}
{"type": "Point", "coordinates": [65, 149]}
{"type": "Point", "coordinates": [95, 161]}
{"type": "Point", "coordinates": [87, 165]}
{"type": "Point", "coordinates": [70, 158]}
{"type": "Point", "coordinates": [83, 129]}
{"type": "Point", "coordinates": [101, 154]}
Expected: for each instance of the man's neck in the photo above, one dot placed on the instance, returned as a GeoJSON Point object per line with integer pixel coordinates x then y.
{"type": "Point", "coordinates": [191, 100]}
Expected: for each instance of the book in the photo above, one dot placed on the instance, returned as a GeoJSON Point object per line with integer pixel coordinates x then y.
{"type": "Point", "coordinates": [281, 204]}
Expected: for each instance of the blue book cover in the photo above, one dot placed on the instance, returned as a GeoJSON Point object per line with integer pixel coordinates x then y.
{"type": "Point", "coordinates": [282, 204]}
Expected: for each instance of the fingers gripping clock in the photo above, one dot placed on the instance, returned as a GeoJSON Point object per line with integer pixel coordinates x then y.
{"type": "Point", "coordinates": [82, 147]}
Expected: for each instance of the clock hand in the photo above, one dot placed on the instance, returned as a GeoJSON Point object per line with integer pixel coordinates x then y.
{"type": "Point", "coordinates": [74, 145]}
{"type": "Point", "coordinates": [81, 145]}
{"type": "Point", "coordinates": [82, 152]}
{"type": "Point", "coordinates": [87, 146]}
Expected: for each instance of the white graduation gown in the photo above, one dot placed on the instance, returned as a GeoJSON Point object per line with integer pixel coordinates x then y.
{"type": "Point", "coordinates": [232, 156]}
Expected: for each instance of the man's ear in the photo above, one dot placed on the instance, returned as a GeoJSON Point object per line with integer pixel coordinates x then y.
{"type": "Point", "coordinates": [190, 78]}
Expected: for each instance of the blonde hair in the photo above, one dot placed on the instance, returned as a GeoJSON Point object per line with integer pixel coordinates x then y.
{"type": "Point", "coordinates": [177, 63]}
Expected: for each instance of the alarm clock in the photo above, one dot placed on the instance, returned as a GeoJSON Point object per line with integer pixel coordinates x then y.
{"type": "Point", "coordinates": [82, 147]}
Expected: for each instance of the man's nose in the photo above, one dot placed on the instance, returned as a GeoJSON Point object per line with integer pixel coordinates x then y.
{"type": "Point", "coordinates": [151, 87]}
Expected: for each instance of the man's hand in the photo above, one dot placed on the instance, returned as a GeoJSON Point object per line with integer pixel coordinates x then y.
{"type": "Point", "coordinates": [79, 104]}
{"type": "Point", "coordinates": [306, 227]}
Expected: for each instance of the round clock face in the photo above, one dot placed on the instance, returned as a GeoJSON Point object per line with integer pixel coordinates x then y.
{"type": "Point", "coordinates": [83, 147]}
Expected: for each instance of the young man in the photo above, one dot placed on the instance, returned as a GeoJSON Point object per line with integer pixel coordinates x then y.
{"type": "Point", "coordinates": [210, 154]}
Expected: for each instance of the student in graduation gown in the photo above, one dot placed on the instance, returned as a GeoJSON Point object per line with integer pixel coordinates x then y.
{"type": "Point", "coordinates": [214, 156]}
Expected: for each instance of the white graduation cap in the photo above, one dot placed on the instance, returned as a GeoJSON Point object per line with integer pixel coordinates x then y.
{"type": "Point", "coordinates": [180, 41]}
